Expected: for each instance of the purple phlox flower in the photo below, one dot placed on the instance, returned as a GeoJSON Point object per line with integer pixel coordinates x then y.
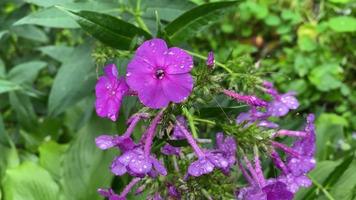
{"type": "Point", "coordinates": [168, 149]}
{"type": "Point", "coordinates": [207, 161]}
{"type": "Point", "coordinates": [259, 188]}
{"type": "Point", "coordinates": [110, 194]}
{"type": "Point", "coordinates": [255, 116]}
{"type": "Point", "coordinates": [210, 61]}
{"type": "Point", "coordinates": [297, 166]}
{"type": "Point", "coordinates": [248, 99]}
{"type": "Point", "coordinates": [267, 84]}
{"type": "Point", "coordinates": [110, 90]}
{"type": "Point", "coordinates": [139, 162]}
{"type": "Point", "coordinates": [177, 132]}
{"type": "Point", "coordinates": [160, 74]}
{"type": "Point", "coordinates": [173, 191]}
{"type": "Point", "coordinates": [281, 104]}
{"type": "Point", "coordinates": [305, 146]}
{"type": "Point", "coordinates": [124, 142]}
{"type": "Point", "coordinates": [227, 147]}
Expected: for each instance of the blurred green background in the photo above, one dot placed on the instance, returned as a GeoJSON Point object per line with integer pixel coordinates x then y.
{"type": "Point", "coordinates": [48, 69]}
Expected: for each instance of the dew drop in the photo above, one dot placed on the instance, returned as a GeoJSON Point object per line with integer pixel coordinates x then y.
{"type": "Point", "coordinates": [128, 74]}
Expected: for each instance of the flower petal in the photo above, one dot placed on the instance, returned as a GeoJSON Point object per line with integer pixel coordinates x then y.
{"type": "Point", "coordinates": [111, 71]}
{"type": "Point", "coordinates": [105, 141]}
{"type": "Point", "coordinates": [118, 168]}
{"type": "Point", "coordinates": [140, 165]}
{"type": "Point", "coordinates": [277, 109]}
{"type": "Point", "coordinates": [151, 51]}
{"type": "Point", "coordinates": [290, 101]}
{"type": "Point", "coordinates": [200, 167]}
{"type": "Point", "coordinates": [177, 61]}
{"type": "Point", "coordinates": [177, 87]}
{"type": "Point", "coordinates": [152, 96]}
{"type": "Point", "coordinates": [159, 167]}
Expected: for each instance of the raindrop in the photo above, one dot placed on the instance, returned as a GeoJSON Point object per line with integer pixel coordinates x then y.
{"type": "Point", "coordinates": [128, 74]}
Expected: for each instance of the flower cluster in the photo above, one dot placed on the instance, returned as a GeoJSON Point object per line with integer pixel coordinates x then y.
{"type": "Point", "coordinates": [160, 77]}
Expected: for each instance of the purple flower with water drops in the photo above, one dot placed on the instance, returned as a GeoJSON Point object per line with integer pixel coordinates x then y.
{"type": "Point", "coordinates": [295, 182]}
{"type": "Point", "coordinates": [137, 164]}
{"type": "Point", "coordinates": [281, 104]}
{"type": "Point", "coordinates": [248, 99]}
{"type": "Point", "coordinates": [227, 146]}
{"type": "Point", "coordinates": [210, 61]}
{"type": "Point", "coordinates": [168, 149]}
{"type": "Point", "coordinates": [305, 147]}
{"type": "Point", "coordinates": [207, 161]}
{"type": "Point", "coordinates": [160, 74]}
{"type": "Point", "coordinates": [110, 194]}
{"type": "Point", "coordinates": [255, 116]}
{"type": "Point", "coordinates": [110, 90]}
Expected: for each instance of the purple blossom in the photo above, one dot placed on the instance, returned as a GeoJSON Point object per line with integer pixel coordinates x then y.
{"type": "Point", "coordinates": [168, 149]}
{"type": "Point", "coordinates": [281, 104]}
{"type": "Point", "coordinates": [137, 164]}
{"type": "Point", "coordinates": [259, 188]}
{"type": "Point", "coordinates": [173, 191]}
{"type": "Point", "coordinates": [109, 91]}
{"type": "Point", "coordinates": [227, 147]}
{"type": "Point", "coordinates": [110, 194]}
{"type": "Point", "coordinates": [207, 161]}
{"type": "Point", "coordinates": [177, 132]}
{"type": "Point", "coordinates": [249, 99]}
{"type": "Point", "coordinates": [255, 116]}
{"type": "Point", "coordinates": [210, 61]}
{"type": "Point", "coordinates": [160, 74]}
{"type": "Point", "coordinates": [295, 182]}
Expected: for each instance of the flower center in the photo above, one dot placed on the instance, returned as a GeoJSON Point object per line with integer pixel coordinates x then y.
{"type": "Point", "coordinates": [159, 74]}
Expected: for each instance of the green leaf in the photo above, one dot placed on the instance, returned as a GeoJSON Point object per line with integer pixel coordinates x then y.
{"type": "Point", "coordinates": [2, 33]}
{"type": "Point", "coordinates": [74, 81]}
{"type": "Point", "coordinates": [340, 1]}
{"type": "Point", "coordinates": [2, 69]}
{"type": "Point", "coordinates": [6, 86]}
{"type": "Point", "coordinates": [329, 128]}
{"type": "Point", "coordinates": [58, 52]}
{"type": "Point", "coordinates": [343, 24]}
{"type": "Point", "coordinates": [273, 20]}
{"type": "Point", "coordinates": [166, 9]}
{"type": "Point", "coordinates": [108, 29]}
{"type": "Point", "coordinates": [306, 43]}
{"type": "Point", "coordinates": [85, 167]}
{"type": "Point", "coordinates": [29, 182]}
{"type": "Point", "coordinates": [26, 72]}
{"type": "Point", "coordinates": [8, 159]}
{"type": "Point", "coordinates": [30, 32]}
{"type": "Point", "coordinates": [51, 156]}
{"type": "Point", "coordinates": [48, 3]}
{"type": "Point", "coordinates": [24, 110]}
{"type": "Point", "coordinates": [49, 17]}
{"type": "Point", "coordinates": [195, 19]}
{"type": "Point", "coordinates": [344, 187]}
{"type": "Point", "coordinates": [326, 76]}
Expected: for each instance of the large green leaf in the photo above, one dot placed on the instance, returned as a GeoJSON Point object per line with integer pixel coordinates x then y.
{"type": "Point", "coordinates": [57, 52]}
{"type": "Point", "coordinates": [6, 86]}
{"type": "Point", "coordinates": [343, 24]}
{"type": "Point", "coordinates": [344, 188]}
{"type": "Point", "coordinates": [49, 17]}
{"type": "Point", "coordinates": [24, 110]}
{"type": "Point", "coordinates": [48, 3]}
{"type": "Point", "coordinates": [30, 32]}
{"type": "Point", "coordinates": [85, 167]}
{"type": "Point", "coordinates": [74, 81]}
{"type": "Point", "coordinates": [51, 156]}
{"type": "Point", "coordinates": [108, 29]}
{"type": "Point", "coordinates": [29, 182]}
{"type": "Point", "coordinates": [195, 19]}
{"type": "Point", "coordinates": [26, 72]}
{"type": "Point", "coordinates": [2, 69]}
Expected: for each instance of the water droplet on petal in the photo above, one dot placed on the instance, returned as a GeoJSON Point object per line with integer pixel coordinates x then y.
{"type": "Point", "coordinates": [128, 74]}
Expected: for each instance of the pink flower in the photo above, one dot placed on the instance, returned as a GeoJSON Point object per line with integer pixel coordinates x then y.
{"type": "Point", "coordinates": [160, 74]}
{"type": "Point", "coordinates": [109, 91]}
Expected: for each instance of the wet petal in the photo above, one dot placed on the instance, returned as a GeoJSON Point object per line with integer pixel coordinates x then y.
{"type": "Point", "coordinates": [159, 167]}
{"type": "Point", "coordinates": [200, 167]}
{"type": "Point", "coordinates": [290, 101]}
{"type": "Point", "coordinates": [105, 141]}
{"type": "Point", "coordinates": [177, 87]}
{"type": "Point", "coordinates": [277, 109]}
{"type": "Point", "coordinates": [140, 165]}
{"type": "Point", "coordinates": [177, 61]}
{"type": "Point", "coordinates": [118, 168]}
{"type": "Point", "coordinates": [111, 71]}
{"type": "Point", "coordinates": [152, 51]}
{"type": "Point", "coordinates": [152, 97]}
{"type": "Point", "coordinates": [218, 160]}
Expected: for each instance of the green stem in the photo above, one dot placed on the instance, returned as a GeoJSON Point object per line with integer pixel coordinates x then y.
{"type": "Point", "coordinates": [216, 62]}
{"type": "Point", "coordinates": [204, 120]}
{"type": "Point", "coordinates": [190, 119]}
{"type": "Point", "coordinates": [317, 184]}
{"type": "Point", "coordinates": [138, 18]}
